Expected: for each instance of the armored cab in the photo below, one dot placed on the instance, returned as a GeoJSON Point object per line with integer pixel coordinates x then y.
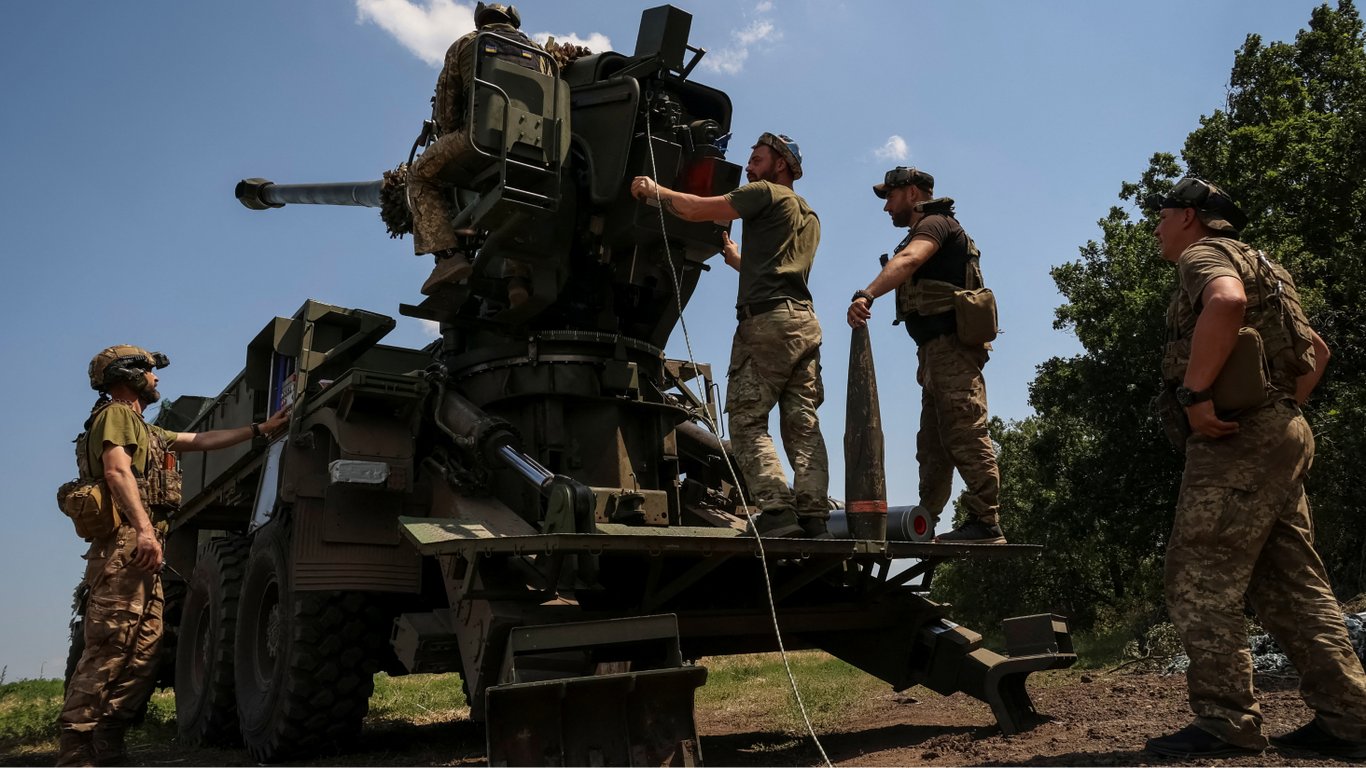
{"type": "Point", "coordinates": [538, 502]}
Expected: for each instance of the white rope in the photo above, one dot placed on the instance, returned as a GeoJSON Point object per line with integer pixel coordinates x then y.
{"type": "Point", "coordinates": [739, 489]}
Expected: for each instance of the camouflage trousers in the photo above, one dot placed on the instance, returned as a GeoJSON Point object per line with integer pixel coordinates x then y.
{"type": "Point", "coordinates": [953, 429]}
{"type": "Point", "coordinates": [450, 161]}
{"type": "Point", "coordinates": [775, 359]}
{"type": "Point", "coordinates": [1243, 527]}
{"type": "Point", "coordinates": [122, 637]}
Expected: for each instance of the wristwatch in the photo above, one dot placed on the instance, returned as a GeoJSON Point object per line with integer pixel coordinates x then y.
{"type": "Point", "coordinates": [862, 295]}
{"type": "Point", "coordinates": [1187, 397]}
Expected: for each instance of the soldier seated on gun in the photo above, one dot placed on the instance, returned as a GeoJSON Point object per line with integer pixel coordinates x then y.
{"type": "Point", "coordinates": [452, 160]}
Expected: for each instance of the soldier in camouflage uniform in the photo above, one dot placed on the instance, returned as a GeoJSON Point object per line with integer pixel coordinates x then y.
{"type": "Point", "coordinates": [953, 397]}
{"type": "Point", "coordinates": [451, 160]}
{"type": "Point", "coordinates": [775, 356]}
{"type": "Point", "coordinates": [1242, 526]}
{"type": "Point", "coordinates": [123, 613]}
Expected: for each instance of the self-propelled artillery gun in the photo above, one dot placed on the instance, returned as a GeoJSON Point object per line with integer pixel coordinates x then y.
{"type": "Point", "coordinates": [536, 502]}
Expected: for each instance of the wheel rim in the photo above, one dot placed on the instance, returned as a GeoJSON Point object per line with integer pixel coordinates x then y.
{"type": "Point", "coordinates": [267, 650]}
{"type": "Point", "coordinates": [199, 661]}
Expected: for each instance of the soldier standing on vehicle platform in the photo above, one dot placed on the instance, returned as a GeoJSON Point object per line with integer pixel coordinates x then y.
{"type": "Point", "coordinates": [775, 356]}
{"type": "Point", "coordinates": [130, 461]}
{"type": "Point", "coordinates": [1240, 360]}
{"type": "Point", "coordinates": [931, 264]}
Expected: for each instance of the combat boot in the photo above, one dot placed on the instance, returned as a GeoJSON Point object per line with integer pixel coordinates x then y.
{"type": "Point", "coordinates": [108, 744]}
{"type": "Point", "coordinates": [1313, 737]}
{"type": "Point", "coordinates": [814, 527]}
{"type": "Point", "coordinates": [774, 524]}
{"type": "Point", "coordinates": [973, 531]}
{"type": "Point", "coordinates": [1193, 742]}
{"type": "Point", "coordinates": [75, 748]}
{"type": "Point", "coordinates": [451, 268]}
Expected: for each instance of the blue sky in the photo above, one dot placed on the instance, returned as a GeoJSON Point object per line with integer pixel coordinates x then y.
{"type": "Point", "coordinates": [126, 126]}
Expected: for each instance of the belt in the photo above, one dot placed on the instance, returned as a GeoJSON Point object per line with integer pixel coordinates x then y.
{"type": "Point", "coordinates": [745, 311]}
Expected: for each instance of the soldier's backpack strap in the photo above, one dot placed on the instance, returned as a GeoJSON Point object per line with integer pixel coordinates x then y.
{"type": "Point", "coordinates": [1278, 316]}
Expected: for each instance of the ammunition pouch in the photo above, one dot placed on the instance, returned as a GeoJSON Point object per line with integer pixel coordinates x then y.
{"type": "Point", "coordinates": [89, 503]}
{"type": "Point", "coordinates": [1172, 416]}
{"type": "Point", "coordinates": [90, 506]}
{"type": "Point", "coordinates": [1176, 355]}
{"type": "Point", "coordinates": [1242, 382]}
{"type": "Point", "coordinates": [976, 316]}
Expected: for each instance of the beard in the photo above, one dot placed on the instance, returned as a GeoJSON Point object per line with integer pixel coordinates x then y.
{"type": "Point", "coordinates": [902, 219]}
{"type": "Point", "coordinates": [771, 176]}
{"type": "Point", "coordinates": [148, 395]}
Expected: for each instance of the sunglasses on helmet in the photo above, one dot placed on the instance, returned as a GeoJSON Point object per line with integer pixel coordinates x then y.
{"type": "Point", "coordinates": [902, 176]}
{"type": "Point", "coordinates": [159, 360]}
{"type": "Point", "coordinates": [1190, 192]}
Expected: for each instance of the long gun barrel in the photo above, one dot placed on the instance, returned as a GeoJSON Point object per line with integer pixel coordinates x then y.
{"type": "Point", "coordinates": [261, 194]}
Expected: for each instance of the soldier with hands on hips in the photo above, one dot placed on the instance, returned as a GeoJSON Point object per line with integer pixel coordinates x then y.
{"type": "Point", "coordinates": [1240, 360]}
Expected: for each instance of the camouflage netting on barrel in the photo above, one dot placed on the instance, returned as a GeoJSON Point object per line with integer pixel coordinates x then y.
{"type": "Point", "coordinates": [393, 202]}
{"type": "Point", "coordinates": [565, 53]}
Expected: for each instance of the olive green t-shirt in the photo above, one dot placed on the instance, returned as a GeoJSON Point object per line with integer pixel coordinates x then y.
{"type": "Point", "coordinates": [779, 242]}
{"type": "Point", "coordinates": [120, 425]}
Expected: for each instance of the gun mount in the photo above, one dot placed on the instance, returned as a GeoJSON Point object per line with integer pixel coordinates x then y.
{"type": "Point", "coordinates": [533, 502]}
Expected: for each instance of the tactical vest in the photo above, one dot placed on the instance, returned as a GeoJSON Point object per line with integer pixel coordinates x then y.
{"type": "Point", "coordinates": [935, 297]}
{"type": "Point", "coordinates": [1273, 318]}
{"type": "Point", "coordinates": [158, 482]}
{"type": "Point", "coordinates": [457, 77]}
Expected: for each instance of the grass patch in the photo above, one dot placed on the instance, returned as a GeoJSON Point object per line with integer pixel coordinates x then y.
{"type": "Point", "coordinates": [756, 688]}
{"type": "Point", "coordinates": [417, 699]}
{"type": "Point", "coordinates": [1101, 647]}
{"type": "Point", "coordinates": [28, 711]}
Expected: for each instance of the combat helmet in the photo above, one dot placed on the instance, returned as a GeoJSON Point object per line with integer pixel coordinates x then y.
{"type": "Point", "coordinates": [492, 13]}
{"type": "Point", "coordinates": [1214, 206]}
{"type": "Point", "coordinates": [123, 363]}
{"type": "Point", "coordinates": [901, 176]}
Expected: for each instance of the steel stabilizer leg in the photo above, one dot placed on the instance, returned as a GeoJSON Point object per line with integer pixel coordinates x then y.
{"type": "Point", "coordinates": [957, 662]}
{"type": "Point", "coordinates": [613, 692]}
{"type": "Point", "coordinates": [636, 718]}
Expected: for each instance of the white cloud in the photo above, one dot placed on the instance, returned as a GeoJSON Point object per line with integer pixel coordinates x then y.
{"type": "Point", "coordinates": [764, 6]}
{"type": "Point", "coordinates": [425, 29]}
{"type": "Point", "coordinates": [761, 29]}
{"type": "Point", "coordinates": [894, 149]}
{"type": "Point", "coordinates": [728, 60]}
{"type": "Point", "coordinates": [428, 27]}
{"type": "Point", "coordinates": [732, 59]}
{"type": "Point", "coordinates": [431, 329]}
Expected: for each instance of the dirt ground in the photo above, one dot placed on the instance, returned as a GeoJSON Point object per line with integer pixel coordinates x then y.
{"type": "Point", "coordinates": [1089, 718]}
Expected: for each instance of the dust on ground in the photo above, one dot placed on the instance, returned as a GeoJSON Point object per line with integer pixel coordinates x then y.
{"type": "Point", "coordinates": [1089, 718]}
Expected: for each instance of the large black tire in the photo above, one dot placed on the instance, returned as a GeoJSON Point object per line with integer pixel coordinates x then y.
{"type": "Point", "coordinates": [306, 661]}
{"type": "Point", "coordinates": [205, 702]}
{"type": "Point", "coordinates": [173, 590]}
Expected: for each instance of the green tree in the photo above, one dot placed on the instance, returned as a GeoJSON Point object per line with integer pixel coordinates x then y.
{"type": "Point", "coordinates": [1091, 476]}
